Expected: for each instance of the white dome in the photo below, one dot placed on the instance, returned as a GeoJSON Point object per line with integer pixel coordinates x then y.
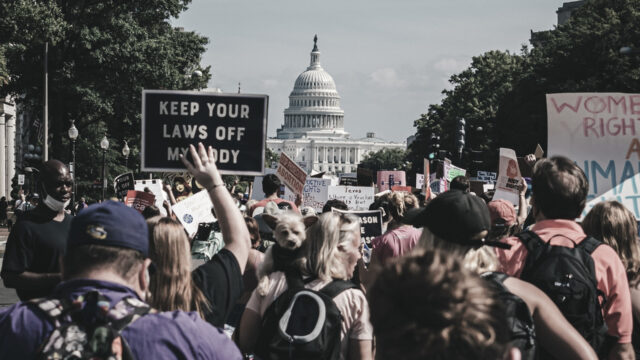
{"type": "Point", "coordinates": [314, 104]}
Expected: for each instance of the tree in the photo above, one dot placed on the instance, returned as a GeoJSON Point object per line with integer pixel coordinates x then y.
{"type": "Point", "coordinates": [476, 96]}
{"type": "Point", "coordinates": [580, 56]}
{"type": "Point", "coordinates": [101, 55]}
{"type": "Point", "coordinates": [385, 159]}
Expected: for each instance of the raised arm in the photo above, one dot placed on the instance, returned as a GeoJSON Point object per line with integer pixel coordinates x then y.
{"type": "Point", "coordinates": [523, 206]}
{"type": "Point", "coordinates": [554, 332]}
{"type": "Point", "coordinates": [232, 225]}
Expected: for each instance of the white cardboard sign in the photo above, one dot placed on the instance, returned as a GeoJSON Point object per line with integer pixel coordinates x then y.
{"type": "Point", "coordinates": [155, 186]}
{"type": "Point", "coordinates": [356, 197]}
{"type": "Point", "coordinates": [508, 177]}
{"type": "Point", "coordinates": [194, 210]}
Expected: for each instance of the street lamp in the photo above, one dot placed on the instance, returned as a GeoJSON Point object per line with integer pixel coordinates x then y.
{"type": "Point", "coordinates": [126, 151]}
{"type": "Point", "coordinates": [104, 145]}
{"type": "Point", "coordinates": [73, 135]}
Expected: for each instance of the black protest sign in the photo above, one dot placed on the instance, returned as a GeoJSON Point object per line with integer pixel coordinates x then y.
{"type": "Point", "coordinates": [370, 222]}
{"type": "Point", "coordinates": [349, 180]}
{"type": "Point", "coordinates": [123, 183]}
{"type": "Point", "coordinates": [235, 125]}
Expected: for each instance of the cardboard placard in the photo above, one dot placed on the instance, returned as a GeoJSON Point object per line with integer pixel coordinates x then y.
{"type": "Point", "coordinates": [122, 184]}
{"type": "Point", "coordinates": [539, 152]}
{"type": "Point", "coordinates": [508, 177]}
{"type": "Point", "coordinates": [155, 186]}
{"type": "Point", "coordinates": [388, 179]}
{"type": "Point", "coordinates": [235, 125]}
{"type": "Point", "coordinates": [356, 197]}
{"type": "Point", "coordinates": [401, 188]}
{"type": "Point", "coordinates": [194, 210]}
{"type": "Point", "coordinates": [454, 171]}
{"type": "Point", "coordinates": [370, 222]}
{"type": "Point", "coordinates": [315, 193]}
{"type": "Point", "coordinates": [426, 189]}
{"type": "Point", "coordinates": [487, 176]}
{"type": "Point", "coordinates": [600, 133]}
{"type": "Point", "coordinates": [138, 200]}
{"type": "Point", "coordinates": [419, 181]}
{"type": "Point", "coordinates": [291, 174]}
{"type": "Point", "coordinates": [20, 179]}
{"type": "Point", "coordinates": [349, 179]}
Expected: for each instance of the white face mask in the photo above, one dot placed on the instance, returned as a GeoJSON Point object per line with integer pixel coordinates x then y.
{"type": "Point", "coordinates": [54, 204]}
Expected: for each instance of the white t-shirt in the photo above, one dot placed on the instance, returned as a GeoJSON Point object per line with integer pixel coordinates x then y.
{"type": "Point", "coordinates": [352, 304]}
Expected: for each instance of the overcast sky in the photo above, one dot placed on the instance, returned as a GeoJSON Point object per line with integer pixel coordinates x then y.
{"type": "Point", "coordinates": [389, 59]}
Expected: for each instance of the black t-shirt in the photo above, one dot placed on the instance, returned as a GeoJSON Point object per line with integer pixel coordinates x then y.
{"type": "Point", "coordinates": [220, 280]}
{"type": "Point", "coordinates": [35, 244]}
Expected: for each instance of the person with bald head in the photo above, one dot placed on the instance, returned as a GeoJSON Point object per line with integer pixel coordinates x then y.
{"type": "Point", "coordinates": [31, 262]}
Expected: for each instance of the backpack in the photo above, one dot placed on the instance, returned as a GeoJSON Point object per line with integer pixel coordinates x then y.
{"type": "Point", "coordinates": [302, 323]}
{"type": "Point", "coordinates": [86, 328]}
{"type": "Point", "coordinates": [519, 320]}
{"type": "Point", "coordinates": [567, 275]}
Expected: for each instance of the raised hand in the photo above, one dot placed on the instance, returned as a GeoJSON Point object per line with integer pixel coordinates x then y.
{"type": "Point", "coordinates": [204, 167]}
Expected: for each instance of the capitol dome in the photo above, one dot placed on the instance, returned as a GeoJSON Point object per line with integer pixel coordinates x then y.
{"type": "Point", "coordinates": [314, 104]}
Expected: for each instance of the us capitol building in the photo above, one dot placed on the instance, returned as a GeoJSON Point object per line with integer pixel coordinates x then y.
{"type": "Point", "coordinates": [313, 131]}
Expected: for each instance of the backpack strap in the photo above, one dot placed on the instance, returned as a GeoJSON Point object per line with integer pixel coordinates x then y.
{"type": "Point", "coordinates": [531, 240]}
{"type": "Point", "coordinates": [294, 279]}
{"type": "Point", "coordinates": [589, 244]}
{"type": "Point", "coordinates": [335, 287]}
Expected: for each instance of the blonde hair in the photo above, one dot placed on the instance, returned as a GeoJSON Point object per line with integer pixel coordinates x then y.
{"type": "Point", "coordinates": [400, 203]}
{"type": "Point", "coordinates": [172, 287]}
{"type": "Point", "coordinates": [324, 260]}
{"type": "Point", "coordinates": [478, 260]}
{"type": "Point", "coordinates": [616, 226]}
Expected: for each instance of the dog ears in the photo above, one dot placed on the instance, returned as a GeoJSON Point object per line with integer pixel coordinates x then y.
{"type": "Point", "coordinates": [270, 220]}
{"type": "Point", "coordinates": [310, 220]}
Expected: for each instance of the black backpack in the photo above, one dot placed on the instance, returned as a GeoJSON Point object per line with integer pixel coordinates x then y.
{"type": "Point", "coordinates": [520, 323]}
{"type": "Point", "coordinates": [88, 328]}
{"type": "Point", "coordinates": [567, 275]}
{"type": "Point", "coordinates": [302, 323]}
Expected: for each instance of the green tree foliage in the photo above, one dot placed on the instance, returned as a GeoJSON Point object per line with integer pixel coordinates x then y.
{"type": "Point", "coordinates": [475, 97]}
{"type": "Point", "coordinates": [385, 159]}
{"type": "Point", "coordinates": [505, 93]}
{"type": "Point", "coordinates": [4, 73]}
{"type": "Point", "coordinates": [101, 55]}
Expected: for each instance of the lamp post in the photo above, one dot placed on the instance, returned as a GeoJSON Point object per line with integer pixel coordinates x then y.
{"type": "Point", "coordinates": [104, 145]}
{"type": "Point", "coordinates": [126, 151]}
{"type": "Point", "coordinates": [73, 135]}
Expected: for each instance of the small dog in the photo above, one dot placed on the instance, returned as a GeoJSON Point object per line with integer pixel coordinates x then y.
{"type": "Point", "coordinates": [289, 232]}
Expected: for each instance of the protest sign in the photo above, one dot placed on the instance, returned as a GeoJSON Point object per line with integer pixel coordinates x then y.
{"type": "Point", "coordinates": [155, 186]}
{"type": "Point", "coordinates": [401, 188]}
{"type": "Point", "coordinates": [235, 125]}
{"type": "Point", "coordinates": [257, 192]}
{"type": "Point", "coordinates": [349, 179]}
{"type": "Point", "coordinates": [314, 193]}
{"type": "Point", "coordinates": [20, 179]}
{"type": "Point", "coordinates": [194, 210]}
{"type": "Point", "coordinates": [139, 200]}
{"type": "Point", "coordinates": [370, 222]}
{"type": "Point", "coordinates": [539, 152]}
{"type": "Point", "coordinates": [454, 171]}
{"type": "Point", "coordinates": [599, 131]}
{"type": "Point", "coordinates": [487, 176]}
{"type": "Point", "coordinates": [426, 189]}
{"type": "Point", "coordinates": [291, 174]}
{"type": "Point", "coordinates": [508, 177]}
{"type": "Point", "coordinates": [629, 201]}
{"type": "Point", "coordinates": [122, 184]}
{"type": "Point", "coordinates": [356, 197]}
{"type": "Point", "coordinates": [419, 181]}
{"type": "Point", "coordinates": [388, 179]}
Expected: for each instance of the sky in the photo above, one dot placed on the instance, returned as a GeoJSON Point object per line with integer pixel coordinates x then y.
{"type": "Point", "coordinates": [390, 59]}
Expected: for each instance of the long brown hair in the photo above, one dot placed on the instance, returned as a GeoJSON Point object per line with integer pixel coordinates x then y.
{"type": "Point", "coordinates": [616, 226]}
{"type": "Point", "coordinates": [171, 286]}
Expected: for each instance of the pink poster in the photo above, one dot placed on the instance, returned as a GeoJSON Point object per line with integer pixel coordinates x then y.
{"type": "Point", "coordinates": [389, 179]}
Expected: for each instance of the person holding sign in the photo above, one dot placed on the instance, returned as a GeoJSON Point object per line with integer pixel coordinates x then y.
{"type": "Point", "coordinates": [271, 185]}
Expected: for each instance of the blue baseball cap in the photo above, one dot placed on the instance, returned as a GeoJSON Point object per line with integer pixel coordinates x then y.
{"type": "Point", "coordinates": [110, 223]}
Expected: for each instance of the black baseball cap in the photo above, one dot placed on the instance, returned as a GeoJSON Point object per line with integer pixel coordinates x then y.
{"type": "Point", "coordinates": [455, 216]}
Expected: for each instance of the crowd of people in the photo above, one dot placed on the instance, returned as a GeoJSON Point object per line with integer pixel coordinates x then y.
{"type": "Point", "coordinates": [454, 276]}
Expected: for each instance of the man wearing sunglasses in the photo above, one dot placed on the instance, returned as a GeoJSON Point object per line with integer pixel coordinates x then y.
{"type": "Point", "coordinates": [31, 262]}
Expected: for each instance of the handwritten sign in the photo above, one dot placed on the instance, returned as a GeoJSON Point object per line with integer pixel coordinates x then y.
{"type": "Point", "coordinates": [388, 179]}
{"type": "Point", "coordinates": [356, 197]}
{"type": "Point", "coordinates": [235, 125]}
{"type": "Point", "coordinates": [291, 174]}
{"type": "Point", "coordinates": [194, 210]}
{"type": "Point", "coordinates": [601, 133]}
{"type": "Point", "coordinates": [370, 223]}
{"type": "Point", "coordinates": [419, 181]}
{"type": "Point", "coordinates": [122, 184]}
{"type": "Point", "coordinates": [508, 177]}
{"type": "Point", "coordinates": [454, 171]}
{"type": "Point", "coordinates": [139, 200]}
{"type": "Point", "coordinates": [487, 176]}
